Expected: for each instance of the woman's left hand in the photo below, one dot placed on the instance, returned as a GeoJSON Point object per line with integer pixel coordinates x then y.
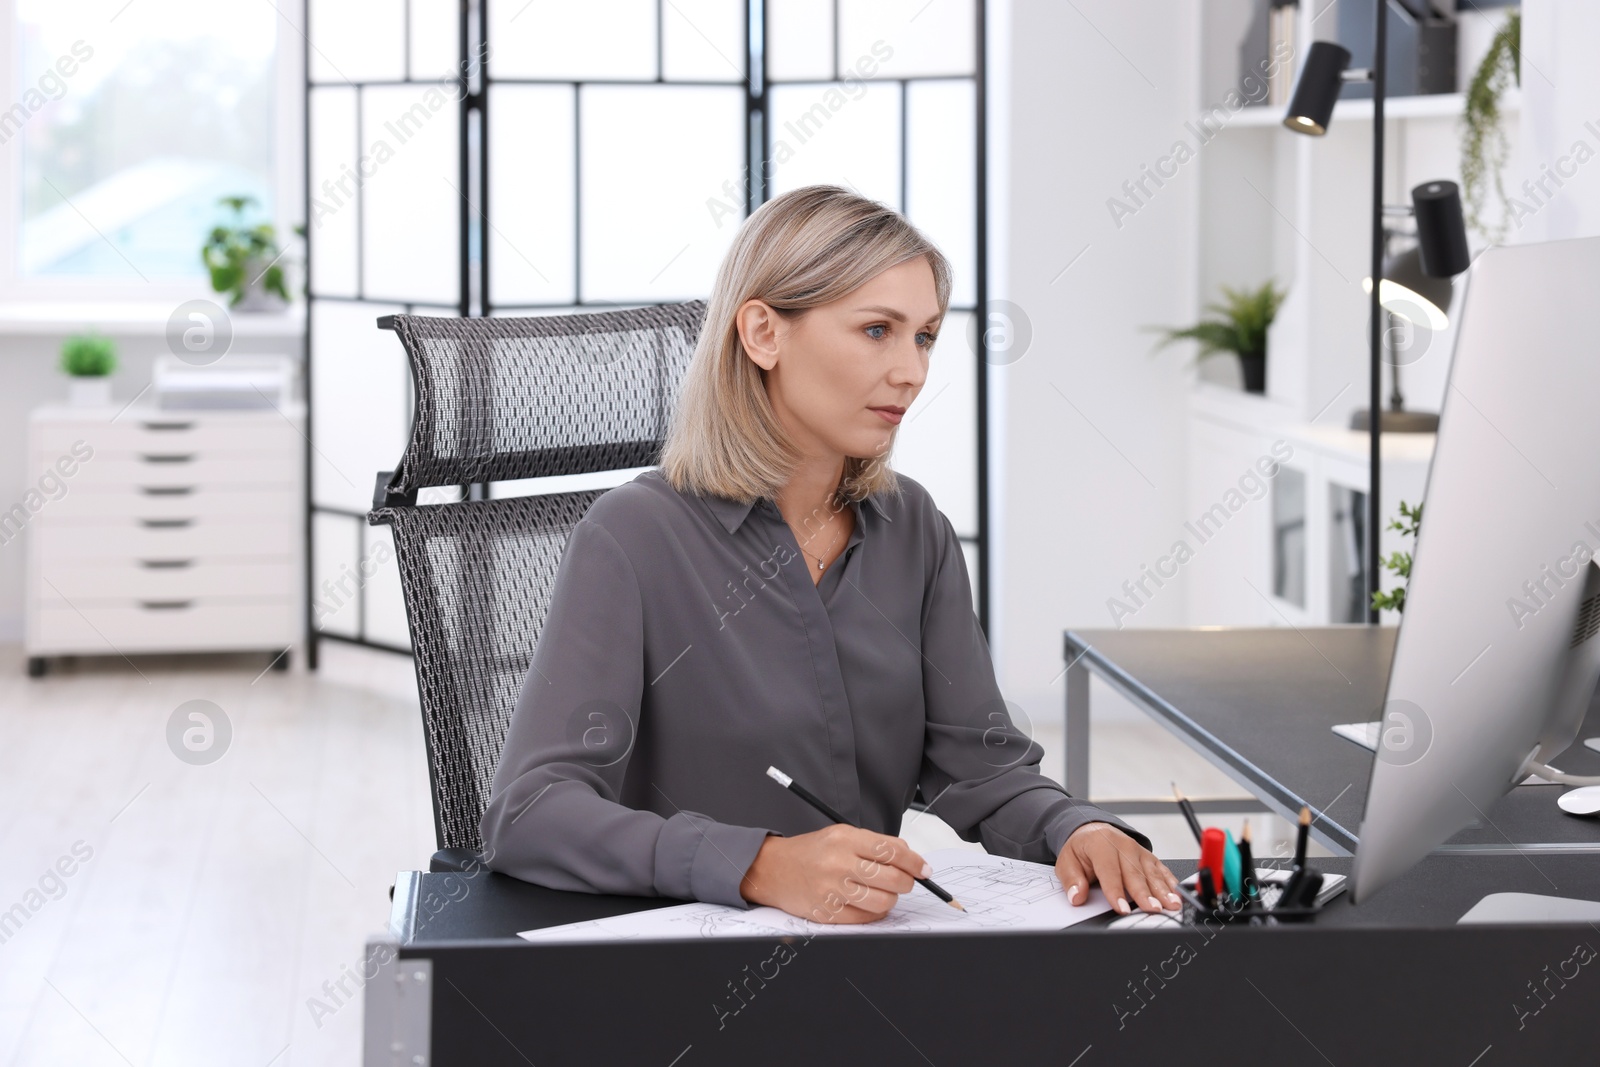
{"type": "Point", "coordinates": [1126, 870]}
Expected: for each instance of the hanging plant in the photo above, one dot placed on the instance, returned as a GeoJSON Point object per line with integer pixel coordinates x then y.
{"type": "Point", "coordinates": [1484, 147]}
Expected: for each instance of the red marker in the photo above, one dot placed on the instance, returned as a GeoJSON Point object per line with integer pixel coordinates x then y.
{"type": "Point", "coordinates": [1213, 843]}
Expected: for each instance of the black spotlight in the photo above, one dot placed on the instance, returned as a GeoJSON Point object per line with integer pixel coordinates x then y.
{"type": "Point", "coordinates": [1441, 228]}
{"type": "Point", "coordinates": [1318, 89]}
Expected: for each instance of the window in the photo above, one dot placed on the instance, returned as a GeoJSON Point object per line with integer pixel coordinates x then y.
{"type": "Point", "coordinates": [125, 125]}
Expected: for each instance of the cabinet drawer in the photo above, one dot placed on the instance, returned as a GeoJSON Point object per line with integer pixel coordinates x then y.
{"type": "Point", "coordinates": [72, 542]}
{"type": "Point", "coordinates": [177, 432]}
{"type": "Point", "coordinates": [177, 468]}
{"type": "Point", "coordinates": [200, 627]}
{"type": "Point", "coordinates": [163, 579]}
{"type": "Point", "coordinates": [176, 501]}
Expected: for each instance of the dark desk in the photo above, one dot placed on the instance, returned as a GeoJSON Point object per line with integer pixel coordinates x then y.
{"type": "Point", "coordinates": [1260, 705]}
{"type": "Point", "coordinates": [1393, 981]}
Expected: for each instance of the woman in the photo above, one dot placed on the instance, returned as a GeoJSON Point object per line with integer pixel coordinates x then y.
{"type": "Point", "coordinates": [775, 594]}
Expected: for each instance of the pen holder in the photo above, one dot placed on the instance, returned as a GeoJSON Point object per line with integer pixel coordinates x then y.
{"type": "Point", "coordinates": [1231, 910]}
{"type": "Point", "coordinates": [1227, 910]}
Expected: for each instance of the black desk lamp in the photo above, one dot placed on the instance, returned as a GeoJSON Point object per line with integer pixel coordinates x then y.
{"type": "Point", "coordinates": [1411, 291]}
{"type": "Point", "coordinates": [1441, 235]}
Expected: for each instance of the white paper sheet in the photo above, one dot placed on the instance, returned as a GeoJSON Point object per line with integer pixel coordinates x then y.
{"type": "Point", "coordinates": [999, 894]}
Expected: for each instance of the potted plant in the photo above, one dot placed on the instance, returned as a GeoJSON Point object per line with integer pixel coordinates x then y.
{"type": "Point", "coordinates": [1484, 147]}
{"type": "Point", "coordinates": [1240, 327]}
{"type": "Point", "coordinates": [243, 261]}
{"type": "Point", "coordinates": [88, 360]}
{"type": "Point", "coordinates": [1408, 524]}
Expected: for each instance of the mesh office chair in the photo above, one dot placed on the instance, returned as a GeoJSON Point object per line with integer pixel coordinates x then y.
{"type": "Point", "coordinates": [499, 399]}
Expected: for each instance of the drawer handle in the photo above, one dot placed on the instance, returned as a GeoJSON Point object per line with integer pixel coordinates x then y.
{"type": "Point", "coordinates": [167, 457]}
{"type": "Point", "coordinates": [159, 426]}
{"type": "Point", "coordinates": [166, 564]}
{"type": "Point", "coordinates": [166, 490]}
{"type": "Point", "coordinates": [165, 605]}
{"type": "Point", "coordinates": [165, 524]}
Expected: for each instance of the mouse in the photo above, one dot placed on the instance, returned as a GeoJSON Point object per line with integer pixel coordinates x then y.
{"type": "Point", "coordinates": [1581, 801]}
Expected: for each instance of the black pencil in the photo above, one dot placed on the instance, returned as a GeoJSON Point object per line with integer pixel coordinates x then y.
{"type": "Point", "coordinates": [1300, 840]}
{"type": "Point", "coordinates": [1247, 861]}
{"type": "Point", "coordinates": [817, 802]}
{"type": "Point", "coordinates": [1293, 887]}
{"type": "Point", "coordinates": [1188, 811]}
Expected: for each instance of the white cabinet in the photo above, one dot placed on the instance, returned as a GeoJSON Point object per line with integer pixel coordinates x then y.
{"type": "Point", "coordinates": [1287, 549]}
{"type": "Point", "coordinates": [159, 531]}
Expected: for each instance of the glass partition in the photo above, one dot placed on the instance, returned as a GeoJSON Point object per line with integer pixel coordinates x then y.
{"type": "Point", "coordinates": [514, 158]}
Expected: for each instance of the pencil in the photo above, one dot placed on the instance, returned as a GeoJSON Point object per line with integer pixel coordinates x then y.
{"type": "Point", "coordinates": [1296, 884]}
{"type": "Point", "coordinates": [817, 802]}
{"type": "Point", "coordinates": [1300, 842]}
{"type": "Point", "coordinates": [1188, 811]}
{"type": "Point", "coordinates": [1252, 888]}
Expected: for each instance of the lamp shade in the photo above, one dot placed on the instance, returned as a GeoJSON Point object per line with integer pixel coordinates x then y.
{"type": "Point", "coordinates": [1441, 229]}
{"type": "Point", "coordinates": [1411, 293]}
{"type": "Point", "coordinates": [1318, 89]}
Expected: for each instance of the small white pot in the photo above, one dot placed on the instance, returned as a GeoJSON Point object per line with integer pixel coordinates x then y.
{"type": "Point", "coordinates": [89, 392]}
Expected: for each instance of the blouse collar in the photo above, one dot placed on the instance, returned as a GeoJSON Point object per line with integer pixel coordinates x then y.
{"type": "Point", "coordinates": [732, 513]}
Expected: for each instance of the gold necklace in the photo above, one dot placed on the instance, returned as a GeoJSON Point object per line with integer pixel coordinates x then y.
{"type": "Point", "coordinates": [820, 565]}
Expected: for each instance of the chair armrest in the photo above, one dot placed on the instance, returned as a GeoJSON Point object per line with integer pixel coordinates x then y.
{"type": "Point", "coordinates": [455, 861]}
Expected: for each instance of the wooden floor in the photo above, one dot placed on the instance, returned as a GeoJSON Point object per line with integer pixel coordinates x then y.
{"type": "Point", "coordinates": [220, 904]}
{"type": "Point", "coordinates": [217, 899]}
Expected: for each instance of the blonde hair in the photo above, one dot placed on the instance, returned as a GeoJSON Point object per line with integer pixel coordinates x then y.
{"type": "Point", "coordinates": [804, 248]}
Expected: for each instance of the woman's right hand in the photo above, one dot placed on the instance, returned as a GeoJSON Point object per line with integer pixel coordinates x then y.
{"type": "Point", "coordinates": [840, 874]}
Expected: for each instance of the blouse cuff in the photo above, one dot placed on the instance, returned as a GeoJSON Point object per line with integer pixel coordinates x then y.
{"type": "Point", "coordinates": [1077, 814]}
{"type": "Point", "coordinates": [698, 858]}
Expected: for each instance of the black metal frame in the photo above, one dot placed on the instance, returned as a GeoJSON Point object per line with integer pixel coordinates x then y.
{"type": "Point", "coordinates": [1380, 66]}
{"type": "Point", "coordinates": [474, 286]}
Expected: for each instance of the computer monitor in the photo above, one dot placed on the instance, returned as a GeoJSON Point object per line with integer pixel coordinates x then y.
{"type": "Point", "coordinates": [1498, 652]}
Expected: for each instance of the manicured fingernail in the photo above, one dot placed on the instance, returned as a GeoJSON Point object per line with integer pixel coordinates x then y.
{"type": "Point", "coordinates": [1073, 894]}
{"type": "Point", "coordinates": [1174, 898]}
{"type": "Point", "coordinates": [927, 870]}
{"type": "Point", "coordinates": [1122, 905]}
{"type": "Point", "coordinates": [1155, 904]}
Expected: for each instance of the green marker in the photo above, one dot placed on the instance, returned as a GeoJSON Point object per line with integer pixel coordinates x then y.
{"type": "Point", "coordinates": [1232, 868]}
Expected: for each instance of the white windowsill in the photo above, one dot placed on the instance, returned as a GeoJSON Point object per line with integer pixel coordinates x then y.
{"type": "Point", "coordinates": [130, 318]}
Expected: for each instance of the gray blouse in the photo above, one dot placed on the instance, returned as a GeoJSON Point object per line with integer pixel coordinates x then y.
{"type": "Point", "coordinates": [687, 649]}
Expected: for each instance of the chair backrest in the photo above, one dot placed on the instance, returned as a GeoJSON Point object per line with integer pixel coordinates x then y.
{"type": "Point", "coordinates": [499, 399]}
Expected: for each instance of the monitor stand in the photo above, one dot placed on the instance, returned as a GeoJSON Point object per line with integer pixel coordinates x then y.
{"type": "Point", "coordinates": [1365, 734]}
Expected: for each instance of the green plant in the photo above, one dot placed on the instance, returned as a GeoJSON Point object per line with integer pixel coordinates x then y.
{"type": "Point", "coordinates": [1399, 562]}
{"type": "Point", "coordinates": [236, 254]}
{"type": "Point", "coordinates": [1484, 147]}
{"type": "Point", "coordinates": [88, 355]}
{"type": "Point", "coordinates": [1241, 325]}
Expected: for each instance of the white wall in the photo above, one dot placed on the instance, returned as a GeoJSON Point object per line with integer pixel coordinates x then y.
{"type": "Point", "coordinates": [1560, 109]}
{"type": "Point", "coordinates": [1089, 474]}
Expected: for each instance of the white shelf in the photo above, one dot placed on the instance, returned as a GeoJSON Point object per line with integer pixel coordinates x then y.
{"type": "Point", "coordinates": [1337, 441]}
{"type": "Point", "coordinates": [1237, 408]}
{"type": "Point", "coordinates": [1434, 106]}
{"type": "Point", "coordinates": [137, 319]}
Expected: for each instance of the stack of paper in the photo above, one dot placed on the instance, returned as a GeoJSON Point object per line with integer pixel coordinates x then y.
{"type": "Point", "coordinates": [999, 894]}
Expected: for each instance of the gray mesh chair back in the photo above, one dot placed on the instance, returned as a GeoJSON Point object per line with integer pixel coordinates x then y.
{"type": "Point", "coordinates": [499, 399]}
